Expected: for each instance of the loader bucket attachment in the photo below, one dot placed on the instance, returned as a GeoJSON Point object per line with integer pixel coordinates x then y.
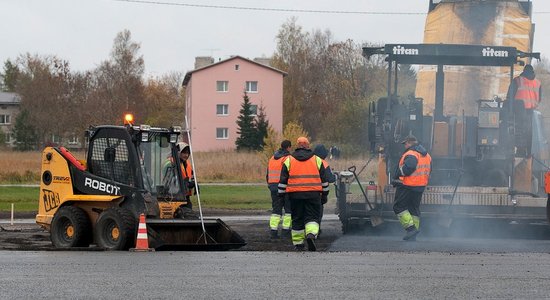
{"type": "Point", "coordinates": [176, 234]}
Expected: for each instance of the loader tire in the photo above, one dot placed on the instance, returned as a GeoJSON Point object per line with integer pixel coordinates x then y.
{"type": "Point", "coordinates": [71, 227]}
{"type": "Point", "coordinates": [115, 229]}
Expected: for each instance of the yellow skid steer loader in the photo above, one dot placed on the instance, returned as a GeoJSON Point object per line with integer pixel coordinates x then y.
{"type": "Point", "coordinates": [129, 170]}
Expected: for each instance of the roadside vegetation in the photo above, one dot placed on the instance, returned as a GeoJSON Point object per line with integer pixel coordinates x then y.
{"type": "Point", "coordinates": [23, 168]}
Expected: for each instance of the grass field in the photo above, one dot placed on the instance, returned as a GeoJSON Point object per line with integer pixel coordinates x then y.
{"type": "Point", "coordinates": [212, 196]}
{"type": "Point", "coordinates": [218, 167]}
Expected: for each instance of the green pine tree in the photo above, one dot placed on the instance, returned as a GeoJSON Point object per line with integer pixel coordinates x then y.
{"type": "Point", "coordinates": [262, 125]}
{"type": "Point", "coordinates": [246, 129]}
{"type": "Point", "coordinates": [9, 77]}
{"type": "Point", "coordinates": [24, 132]}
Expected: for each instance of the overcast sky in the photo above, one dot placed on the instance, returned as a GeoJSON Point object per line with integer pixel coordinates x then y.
{"type": "Point", "coordinates": [173, 32]}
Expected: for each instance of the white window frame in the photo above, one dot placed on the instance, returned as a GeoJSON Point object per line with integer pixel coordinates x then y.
{"type": "Point", "coordinates": [222, 86]}
{"type": "Point", "coordinates": [249, 85]}
{"type": "Point", "coordinates": [224, 109]}
{"type": "Point", "coordinates": [9, 137]}
{"type": "Point", "coordinates": [73, 140]}
{"type": "Point", "coordinates": [5, 119]}
{"type": "Point", "coordinates": [56, 139]}
{"type": "Point", "coordinates": [224, 133]}
{"type": "Point", "coordinates": [253, 109]}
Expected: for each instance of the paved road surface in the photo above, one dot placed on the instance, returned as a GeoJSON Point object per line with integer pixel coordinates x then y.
{"type": "Point", "coordinates": [270, 275]}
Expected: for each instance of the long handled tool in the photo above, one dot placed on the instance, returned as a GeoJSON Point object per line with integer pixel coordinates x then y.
{"type": "Point", "coordinates": [374, 219]}
{"type": "Point", "coordinates": [447, 219]}
{"type": "Point", "coordinates": [204, 233]}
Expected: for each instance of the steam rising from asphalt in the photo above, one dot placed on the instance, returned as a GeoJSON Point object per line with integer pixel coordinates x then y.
{"type": "Point", "coordinates": [463, 236]}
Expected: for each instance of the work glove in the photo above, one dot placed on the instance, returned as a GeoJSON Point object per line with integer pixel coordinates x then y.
{"type": "Point", "coordinates": [324, 199]}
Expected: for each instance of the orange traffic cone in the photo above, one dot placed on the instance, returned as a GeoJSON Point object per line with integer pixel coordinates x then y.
{"type": "Point", "coordinates": [142, 241]}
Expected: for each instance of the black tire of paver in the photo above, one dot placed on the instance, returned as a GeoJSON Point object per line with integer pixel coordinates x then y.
{"type": "Point", "coordinates": [71, 227]}
{"type": "Point", "coordinates": [115, 229]}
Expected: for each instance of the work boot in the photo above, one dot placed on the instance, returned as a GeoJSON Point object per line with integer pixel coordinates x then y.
{"type": "Point", "coordinates": [285, 233]}
{"type": "Point", "coordinates": [299, 247]}
{"type": "Point", "coordinates": [310, 239]}
{"type": "Point", "coordinates": [411, 233]}
{"type": "Point", "coordinates": [274, 235]}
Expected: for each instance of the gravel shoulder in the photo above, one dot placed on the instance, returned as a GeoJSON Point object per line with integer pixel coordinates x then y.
{"type": "Point", "coordinates": [30, 236]}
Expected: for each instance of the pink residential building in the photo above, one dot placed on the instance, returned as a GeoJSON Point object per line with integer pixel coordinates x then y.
{"type": "Point", "coordinates": [214, 96]}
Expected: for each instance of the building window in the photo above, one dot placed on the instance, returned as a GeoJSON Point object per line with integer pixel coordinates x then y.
{"type": "Point", "coordinates": [8, 137]}
{"type": "Point", "coordinates": [222, 86]}
{"type": "Point", "coordinates": [5, 119]}
{"type": "Point", "coordinates": [221, 133]}
{"type": "Point", "coordinates": [251, 86]}
{"type": "Point", "coordinates": [56, 139]}
{"type": "Point", "coordinates": [222, 109]}
{"type": "Point", "coordinates": [236, 67]}
{"type": "Point", "coordinates": [73, 140]}
{"type": "Point", "coordinates": [253, 109]}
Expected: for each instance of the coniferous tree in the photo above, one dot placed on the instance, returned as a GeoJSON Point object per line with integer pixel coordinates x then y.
{"type": "Point", "coordinates": [262, 125]}
{"type": "Point", "coordinates": [246, 130]}
{"type": "Point", "coordinates": [9, 76]}
{"type": "Point", "coordinates": [25, 132]}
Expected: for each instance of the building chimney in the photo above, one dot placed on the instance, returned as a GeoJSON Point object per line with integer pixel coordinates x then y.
{"type": "Point", "coordinates": [203, 61]}
{"type": "Point", "coordinates": [263, 60]}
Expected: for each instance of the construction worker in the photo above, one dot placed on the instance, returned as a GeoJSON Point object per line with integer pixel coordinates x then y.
{"type": "Point", "coordinates": [321, 151]}
{"type": "Point", "coordinates": [185, 211]}
{"type": "Point", "coordinates": [410, 180]}
{"type": "Point", "coordinates": [303, 179]}
{"type": "Point", "coordinates": [526, 89]}
{"type": "Point", "coordinates": [272, 177]}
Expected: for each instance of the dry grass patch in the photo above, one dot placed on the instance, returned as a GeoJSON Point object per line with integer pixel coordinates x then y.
{"type": "Point", "coordinates": [226, 166]}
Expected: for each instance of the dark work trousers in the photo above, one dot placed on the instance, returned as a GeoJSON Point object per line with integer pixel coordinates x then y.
{"type": "Point", "coordinates": [407, 199]}
{"type": "Point", "coordinates": [304, 211]}
{"type": "Point", "coordinates": [278, 203]}
{"type": "Point", "coordinates": [322, 208]}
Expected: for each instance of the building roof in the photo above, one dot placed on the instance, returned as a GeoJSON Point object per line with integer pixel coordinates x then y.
{"type": "Point", "coordinates": [188, 74]}
{"type": "Point", "coordinates": [9, 98]}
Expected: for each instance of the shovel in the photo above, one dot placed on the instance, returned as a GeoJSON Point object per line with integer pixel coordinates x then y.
{"type": "Point", "coordinates": [374, 220]}
{"type": "Point", "coordinates": [446, 220]}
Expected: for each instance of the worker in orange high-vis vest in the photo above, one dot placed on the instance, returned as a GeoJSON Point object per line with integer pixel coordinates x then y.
{"type": "Point", "coordinates": [188, 179]}
{"type": "Point", "coordinates": [303, 179]}
{"type": "Point", "coordinates": [526, 88]}
{"type": "Point", "coordinates": [410, 180]}
{"type": "Point", "coordinates": [272, 177]}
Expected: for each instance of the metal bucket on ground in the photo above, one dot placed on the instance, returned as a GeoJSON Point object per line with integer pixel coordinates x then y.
{"type": "Point", "coordinates": [174, 234]}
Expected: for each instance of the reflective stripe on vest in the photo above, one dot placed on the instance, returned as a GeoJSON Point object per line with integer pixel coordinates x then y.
{"type": "Point", "coordinates": [421, 175]}
{"type": "Point", "coordinates": [274, 169]}
{"type": "Point", "coordinates": [303, 176]}
{"type": "Point", "coordinates": [528, 92]}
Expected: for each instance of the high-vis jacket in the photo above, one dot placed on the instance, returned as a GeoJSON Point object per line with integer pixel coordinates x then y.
{"type": "Point", "coordinates": [187, 174]}
{"type": "Point", "coordinates": [303, 175]}
{"type": "Point", "coordinates": [528, 91]}
{"type": "Point", "coordinates": [275, 165]}
{"type": "Point", "coordinates": [421, 174]}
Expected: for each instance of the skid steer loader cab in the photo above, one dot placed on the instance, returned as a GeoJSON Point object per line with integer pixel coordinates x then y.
{"type": "Point", "coordinates": [129, 170]}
